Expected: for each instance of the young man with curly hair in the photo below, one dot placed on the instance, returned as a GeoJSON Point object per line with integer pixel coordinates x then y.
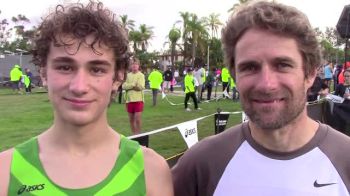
{"type": "Point", "coordinates": [82, 55]}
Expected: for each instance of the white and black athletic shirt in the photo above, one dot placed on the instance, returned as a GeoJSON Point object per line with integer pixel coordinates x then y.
{"type": "Point", "coordinates": [232, 163]}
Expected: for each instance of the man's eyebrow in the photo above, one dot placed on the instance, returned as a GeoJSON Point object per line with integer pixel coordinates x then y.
{"type": "Point", "coordinates": [247, 62]}
{"type": "Point", "coordinates": [63, 59]}
{"type": "Point", "coordinates": [70, 60]}
{"type": "Point", "coordinates": [284, 59]}
{"type": "Point", "coordinates": [99, 62]}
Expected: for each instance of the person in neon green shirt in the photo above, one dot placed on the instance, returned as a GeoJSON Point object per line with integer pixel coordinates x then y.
{"type": "Point", "coordinates": [225, 76]}
{"type": "Point", "coordinates": [82, 54]}
{"type": "Point", "coordinates": [26, 81]}
{"type": "Point", "coordinates": [155, 79]}
{"type": "Point", "coordinates": [15, 77]}
{"type": "Point", "coordinates": [235, 94]}
{"type": "Point", "coordinates": [190, 89]}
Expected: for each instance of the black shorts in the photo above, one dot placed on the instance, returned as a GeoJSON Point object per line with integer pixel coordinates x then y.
{"type": "Point", "coordinates": [15, 85]}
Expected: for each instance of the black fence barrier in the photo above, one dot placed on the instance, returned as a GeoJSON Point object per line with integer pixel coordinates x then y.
{"type": "Point", "coordinates": [143, 140]}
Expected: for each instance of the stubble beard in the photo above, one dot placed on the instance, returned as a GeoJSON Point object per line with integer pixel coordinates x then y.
{"type": "Point", "coordinates": [294, 106]}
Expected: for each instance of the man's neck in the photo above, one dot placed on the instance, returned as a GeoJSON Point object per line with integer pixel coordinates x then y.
{"type": "Point", "coordinates": [289, 138]}
{"type": "Point", "coordinates": [80, 139]}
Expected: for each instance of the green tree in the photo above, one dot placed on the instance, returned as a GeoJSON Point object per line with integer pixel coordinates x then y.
{"type": "Point", "coordinates": [173, 36]}
{"type": "Point", "coordinates": [236, 5]}
{"type": "Point", "coordinates": [4, 32]}
{"type": "Point", "coordinates": [197, 30]}
{"type": "Point", "coordinates": [213, 22]}
{"type": "Point", "coordinates": [135, 38]}
{"type": "Point", "coordinates": [185, 16]}
{"type": "Point", "coordinates": [127, 23]}
{"type": "Point", "coordinates": [146, 34]}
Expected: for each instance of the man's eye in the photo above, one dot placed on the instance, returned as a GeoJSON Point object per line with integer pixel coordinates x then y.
{"type": "Point", "coordinates": [248, 68]}
{"type": "Point", "coordinates": [98, 70]}
{"type": "Point", "coordinates": [283, 66]}
{"type": "Point", "coordinates": [64, 68]}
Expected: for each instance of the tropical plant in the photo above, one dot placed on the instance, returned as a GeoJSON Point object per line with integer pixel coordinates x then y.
{"type": "Point", "coordinates": [213, 22]}
{"type": "Point", "coordinates": [146, 34]}
{"type": "Point", "coordinates": [185, 16]}
{"type": "Point", "coordinates": [135, 38]}
{"type": "Point", "coordinates": [197, 30]}
{"type": "Point", "coordinates": [127, 23]}
{"type": "Point", "coordinates": [236, 5]}
{"type": "Point", "coordinates": [174, 35]}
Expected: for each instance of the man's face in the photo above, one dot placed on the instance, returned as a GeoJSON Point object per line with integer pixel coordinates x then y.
{"type": "Point", "coordinates": [347, 77]}
{"type": "Point", "coordinates": [80, 85]}
{"type": "Point", "coordinates": [270, 79]}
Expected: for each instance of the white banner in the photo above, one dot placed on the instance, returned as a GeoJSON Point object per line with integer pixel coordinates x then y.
{"type": "Point", "coordinates": [244, 117]}
{"type": "Point", "coordinates": [189, 132]}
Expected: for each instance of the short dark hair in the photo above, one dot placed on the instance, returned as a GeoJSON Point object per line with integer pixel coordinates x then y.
{"type": "Point", "coordinates": [276, 18]}
{"type": "Point", "coordinates": [80, 21]}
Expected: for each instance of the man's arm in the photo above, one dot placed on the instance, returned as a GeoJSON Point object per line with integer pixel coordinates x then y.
{"type": "Point", "coordinates": [5, 166]}
{"type": "Point", "coordinates": [157, 174]}
{"type": "Point", "coordinates": [127, 85]}
{"type": "Point", "coordinates": [140, 84]}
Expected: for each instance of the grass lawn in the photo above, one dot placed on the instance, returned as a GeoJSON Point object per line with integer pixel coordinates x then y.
{"type": "Point", "coordinates": [25, 116]}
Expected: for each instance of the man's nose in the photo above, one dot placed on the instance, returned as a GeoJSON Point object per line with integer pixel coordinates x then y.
{"type": "Point", "coordinates": [79, 83]}
{"type": "Point", "coordinates": [267, 79]}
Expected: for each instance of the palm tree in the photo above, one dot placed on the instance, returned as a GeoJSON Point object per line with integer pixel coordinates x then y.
{"type": "Point", "coordinates": [146, 34]}
{"type": "Point", "coordinates": [236, 5]}
{"type": "Point", "coordinates": [135, 38]}
{"type": "Point", "coordinates": [185, 19]}
{"type": "Point", "coordinates": [197, 29]}
{"type": "Point", "coordinates": [126, 23]}
{"type": "Point", "coordinates": [174, 35]}
{"type": "Point", "coordinates": [213, 22]}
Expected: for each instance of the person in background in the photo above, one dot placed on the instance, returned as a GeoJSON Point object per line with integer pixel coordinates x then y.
{"type": "Point", "coordinates": [341, 78]}
{"type": "Point", "coordinates": [337, 70]}
{"type": "Point", "coordinates": [155, 79]}
{"type": "Point", "coordinates": [343, 90]}
{"type": "Point", "coordinates": [167, 78]}
{"type": "Point", "coordinates": [328, 73]}
{"type": "Point", "coordinates": [198, 75]}
{"type": "Point", "coordinates": [134, 98]}
{"type": "Point", "coordinates": [204, 77]}
{"type": "Point", "coordinates": [81, 51]}
{"type": "Point", "coordinates": [15, 78]}
{"type": "Point", "coordinates": [225, 76]}
{"type": "Point", "coordinates": [28, 81]}
{"type": "Point", "coordinates": [189, 83]}
{"type": "Point", "coordinates": [319, 88]}
{"type": "Point", "coordinates": [272, 51]}
{"type": "Point", "coordinates": [210, 82]}
{"type": "Point", "coordinates": [235, 94]}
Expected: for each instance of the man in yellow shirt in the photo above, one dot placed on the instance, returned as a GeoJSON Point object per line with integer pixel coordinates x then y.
{"type": "Point", "coordinates": [190, 90]}
{"type": "Point", "coordinates": [155, 79]}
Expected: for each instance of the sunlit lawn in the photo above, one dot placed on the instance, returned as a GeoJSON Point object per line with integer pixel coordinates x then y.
{"type": "Point", "coordinates": [24, 116]}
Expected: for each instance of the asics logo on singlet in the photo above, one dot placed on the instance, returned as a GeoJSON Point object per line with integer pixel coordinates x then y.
{"type": "Point", "coordinates": [30, 188]}
{"type": "Point", "coordinates": [190, 132]}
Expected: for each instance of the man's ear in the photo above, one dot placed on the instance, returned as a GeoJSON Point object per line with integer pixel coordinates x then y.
{"type": "Point", "coordinates": [309, 80]}
{"type": "Point", "coordinates": [43, 75]}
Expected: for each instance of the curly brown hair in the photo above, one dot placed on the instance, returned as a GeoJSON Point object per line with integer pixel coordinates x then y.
{"type": "Point", "coordinates": [276, 18]}
{"type": "Point", "coordinates": [81, 21]}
